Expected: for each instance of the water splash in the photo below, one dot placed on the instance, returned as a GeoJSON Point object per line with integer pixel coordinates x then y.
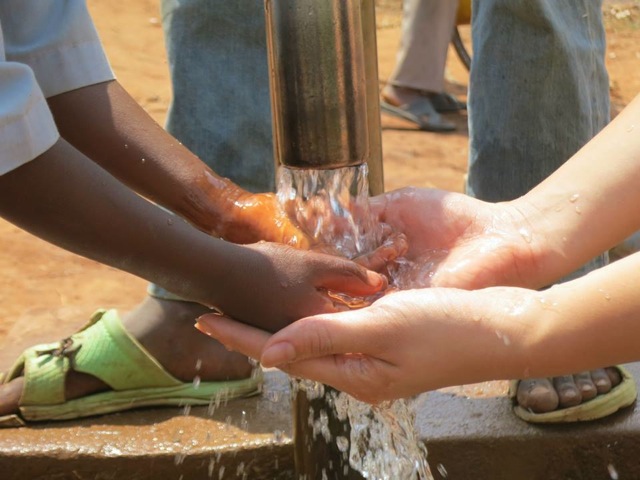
{"type": "Point", "coordinates": [332, 207]}
{"type": "Point", "coordinates": [382, 444]}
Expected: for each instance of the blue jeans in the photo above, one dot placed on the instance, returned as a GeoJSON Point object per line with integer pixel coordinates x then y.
{"type": "Point", "coordinates": [539, 91]}
{"type": "Point", "coordinates": [221, 107]}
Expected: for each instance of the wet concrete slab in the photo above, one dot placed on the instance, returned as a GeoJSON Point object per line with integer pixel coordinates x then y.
{"type": "Point", "coordinates": [247, 438]}
{"type": "Point", "coordinates": [470, 433]}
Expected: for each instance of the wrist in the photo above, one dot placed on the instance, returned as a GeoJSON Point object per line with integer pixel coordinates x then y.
{"type": "Point", "coordinates": [547, 249]}
{"type": "Point", "coordinates": [212, 202]}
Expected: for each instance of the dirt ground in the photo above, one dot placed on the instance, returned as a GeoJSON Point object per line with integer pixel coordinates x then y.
{"type": "Point", "coordinates": [46, 292]}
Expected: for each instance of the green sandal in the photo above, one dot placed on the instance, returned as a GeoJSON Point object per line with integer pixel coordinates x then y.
{"type": "Point", "coordinates": [105, 350]}
{"type": "Point", "coordinates": [622, 395]}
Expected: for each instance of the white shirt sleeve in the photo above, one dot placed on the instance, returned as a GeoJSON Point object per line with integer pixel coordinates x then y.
{"type": "Point", "coordinates": [58, 40]}
{"type": "Point", "coordinates": [27, 128]}
{"type": "Point", "coordinates": [47, 47]}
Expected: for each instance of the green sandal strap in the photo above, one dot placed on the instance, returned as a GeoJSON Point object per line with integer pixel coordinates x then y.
{"type": "Point", "coordinates": [114, 352]}
{"type": "Point", "coordinates": [102, 349]}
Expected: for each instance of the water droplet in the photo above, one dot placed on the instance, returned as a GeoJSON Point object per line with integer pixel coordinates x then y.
{"type": "Point", "coordinates": [198, 364]}
{"type": "Point", "coordinates": [574, 198]}
{"type": "Point", "coordinates": [578, 210]}
{"type": "Point", "coordinates": [631, 127]}
{"type": "Point", "coordinates": [605, 294]}
{"type": "Point", "coordinates": [211, 466]}
{"type": "Point", "coordinates": [169, 221]}
{"type": "Point", "coordinates": [243, 421]}
{"type": "Point", "coordinates": [196, 382]}
{"type": "Point", "coordinates": [143, 160]}
{"type": "Point", "coordinates": [126, 146]}
{"type": "Point", "coordinates": [278, 435]}
{"type": "Point", "coordinates": [613, 473]}
{"type": "Point", "coordinates": [526, 234]}
{"type": "Point", "coordinates": [186, 410]}
{"type": "Point", "coordinates": [221, 473]}
{"type": "Point", "coordinates": [342, 443]}
{"type": "Point", "coordinates": [442, 471]}
{"type": "Point", "coordinates": [274, 396]}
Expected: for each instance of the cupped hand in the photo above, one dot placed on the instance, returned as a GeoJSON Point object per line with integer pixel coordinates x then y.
{"type": "Point", "coordinates": [271, 285]}
{"type": "Point", "coordinates": [404, 344]}
{"type": "Point", "coordinates": [457, 241]}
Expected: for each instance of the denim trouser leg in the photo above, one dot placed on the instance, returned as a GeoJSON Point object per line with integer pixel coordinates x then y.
{"type": "Point", "coordinates": [539, 91]}
{"type": "Point", "coordinates": [221, 106]}
{"type": "Point", "coordinates": [427, 26]}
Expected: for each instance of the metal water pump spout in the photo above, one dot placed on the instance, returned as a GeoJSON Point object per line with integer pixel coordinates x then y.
{"type": "Point", "coordinates": [326, 114]}
{"type": "Point", "coordinates": [322, 61]}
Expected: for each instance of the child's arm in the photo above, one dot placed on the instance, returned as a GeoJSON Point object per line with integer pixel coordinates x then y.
{"type": "Point", "coordinates": [109, 127]}
{"type": "Point", "coordinates": [66, 199]}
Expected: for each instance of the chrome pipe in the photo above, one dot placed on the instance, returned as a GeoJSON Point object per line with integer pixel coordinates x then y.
{"type": "Point", "coordinates": [318, 82]}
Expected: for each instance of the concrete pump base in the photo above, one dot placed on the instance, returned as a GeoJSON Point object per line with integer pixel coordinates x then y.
{"type": "Point", "coordinates": [470, 433]}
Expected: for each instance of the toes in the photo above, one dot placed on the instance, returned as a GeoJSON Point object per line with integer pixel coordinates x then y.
{"type": "Point", "coordinates": [537, 395]}
{"type": "Point", "coordinates": [614, 375]}
{"type": "Point", "coordinates": [586, 385]}
{"type": "Point", "coordinates": [10, 396]}
{"type": "Point", "coordinates": [546, 395]}
{"type": "Point", "coordinates": [603, 382]}
{"type": "Point", "coordinates": [568, 391]}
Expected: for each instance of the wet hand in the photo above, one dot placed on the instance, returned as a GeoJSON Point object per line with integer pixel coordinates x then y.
{"type": "Point", "coordinates": [404, 344]}
{"type": "Point", "coordinates": [457, 241]}
{"type": "Point", "coordinates": [255, 217]}
{"type": "Point", "coordinates": [272, 285]}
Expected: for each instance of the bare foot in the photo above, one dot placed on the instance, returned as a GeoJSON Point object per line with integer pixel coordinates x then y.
{"type": "Point", "coordinates": [546, 395]}
{"type": "Point", "coordinates": [165, 329]}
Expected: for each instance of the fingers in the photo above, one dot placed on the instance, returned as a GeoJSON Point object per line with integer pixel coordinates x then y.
{"type": "Point", "coordinates": [322, 335]}
{"type": "Point", "coordinates": [234, 335]}
{"type": "Point", "coordinates": [395, 246]}
{"type": "Point", "coordinates": [294, 237]}
{"type": "Point", "coordinates": [364, 378]}
{"type": "Point", "coordinates": [378, 206]}
{"type": "Point", "coordinates": [348, 277]}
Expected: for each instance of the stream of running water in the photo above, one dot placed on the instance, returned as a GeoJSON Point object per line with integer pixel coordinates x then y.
{"type": "Point", "coordinates": [332, 207]}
